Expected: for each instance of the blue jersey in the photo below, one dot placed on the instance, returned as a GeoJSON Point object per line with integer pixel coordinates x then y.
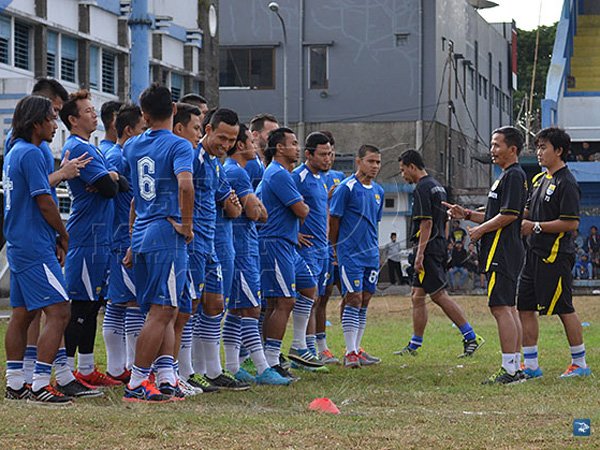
{"type": "Point", "coordinates": [155, 158]}
{"type": "Point", "coordinates": [105, 145]}
{"type": "Point", "coordinates": [256, 171]}
{"type": "Point", "coordinates": [122, 202]}
{"type": "Point", "coordinates": [211, 187]}
{"type": "Point", "coordinates": [359, 208]}
{"type": "Point", "coordinates": [245, 237]}
{"type": "Point", "coordinates": [333, 178]}
{"type": "Point", "coordinates": [30, 239]}
{"type": "Point", "coordinates": [278, 192]}
{"type": "Point", "coordinates": [313, 189]}
{"type": "Point", "coordinates": [90, 222]}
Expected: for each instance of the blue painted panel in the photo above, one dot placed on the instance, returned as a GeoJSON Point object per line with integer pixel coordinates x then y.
{"type": "Point", "coordinates": [112, 6]}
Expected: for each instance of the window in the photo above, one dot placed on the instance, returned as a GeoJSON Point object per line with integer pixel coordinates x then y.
{"type": "Point", "coordinates": [94, 69]}
{"type": "Point", "coordinates": [471, 78]}
{"type": "Point", "coordinates": [68, 59]}
{"type": "Point", "coordinates": [318, 67]}
{"type": "Point", "coordinates": [22, 45]}
{"type": "Point", "coordinates": [5, 40]}
{"type": "Point", "coordinates": [52, 55]}
{"type": "Point", "coordinates": [109, 67]}
{"type": "Point", "coordinates": [247, 67]}
{"type": "Point", "coordinates": [176, 86]}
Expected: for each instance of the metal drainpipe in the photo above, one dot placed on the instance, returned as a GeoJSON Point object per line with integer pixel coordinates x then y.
{"type": "Point", "coordinates": [301, 125]}
{"type": "Point", "coordinates": [140, 24]}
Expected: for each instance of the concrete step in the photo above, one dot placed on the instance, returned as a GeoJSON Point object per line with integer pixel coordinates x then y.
{"type": "Point", "coordinates": [585, 61]}
{"type": "Point", "coordinates": [585, 71]}
{"type": "Point", "coordinates": [586, 51]}
{"type": "Point", "coordinates": [586, 41]}
{"type": "Point", "coordinates": [588, 31]}
{"type": "Point", "coordinates": [586, 84]}
{"type": "Point", "coordinates": [588, 20]}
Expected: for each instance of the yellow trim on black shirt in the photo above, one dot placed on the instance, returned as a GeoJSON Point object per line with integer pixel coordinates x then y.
{"type": "Point", "coordinates": [554, 252]}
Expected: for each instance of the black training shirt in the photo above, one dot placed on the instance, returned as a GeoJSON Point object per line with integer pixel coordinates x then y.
{"type": "Point", "coordinates": [427, 204]}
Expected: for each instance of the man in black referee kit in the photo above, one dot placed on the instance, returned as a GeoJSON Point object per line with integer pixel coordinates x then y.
{"type": "Point", "coordinates": [546, 282]}
{"type": "Point", "coordinates": [502, 251]}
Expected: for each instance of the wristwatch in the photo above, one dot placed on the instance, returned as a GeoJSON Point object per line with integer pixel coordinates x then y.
{"type": "Point", "coordinates": [537, 228]}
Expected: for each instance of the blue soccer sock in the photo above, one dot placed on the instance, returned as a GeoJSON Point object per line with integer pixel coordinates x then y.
{"type": "Point", "coordinates": [415, 342]}
{"type": "Point", "coordinates": [362, 325]}
{"type": "Point", "coordinates": [165, 370]}
{"type": "Point", "coordinates": [530, 355]}
{"type": "Point", "coordinates": [311, 343]}
{"type": "Point", "coordinates": [272, 351]}
{"type": "Point", "coordinates": [113, 331]}
{"type": "Point", "coordinates": [300, 315]}
{"type": "Point", "coordinates": [210, 337]}
{"type": "Point", "coordinates": [29, 362]}
{"type": "Point", "coordinates": [252, 341]}
{"type": "Point", "coordinates": [134, 322]}
{"type": "Point", "coordinates": [198, 361]}
{"type": "Point", "coordinates": [321, 342]}
{"type": "Point", "coordinates": [467, 331]}
{"type": "Point", "coordinates": [138, 376]}
{"type": "Point", "coordinates": [15, 378]}
{"type": "Point", "coordinates": [350, 325]}
{"type": "Point", "coordinates": [578, 355]}
{"type": "Point", "coordinates": [232, 340]}
{"type": "Point", "coordinates": [41, 375]}
{"type": "Point", "coordinates": [185, 351]}
{"type": "Point", "coordinates": [62, 371]}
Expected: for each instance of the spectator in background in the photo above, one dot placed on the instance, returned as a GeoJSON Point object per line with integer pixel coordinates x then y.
{"type": "Point", "coordinates": [392, 254]}
{"type": "Point", "coordinates": [578, 240]}
{"type": "Point", "coordinates": [457, 234]}
{"type": "Point", "coordinates": [583, 269]}
{"type": "Point", "coordinates": [593, 249]}
{"type": "Point", "coordinates": [458, 267]}
{"type": "Point", "coordinates": [472, 265]}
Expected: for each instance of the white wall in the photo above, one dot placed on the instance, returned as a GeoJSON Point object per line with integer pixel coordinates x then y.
{"type": "Point", "coordinates": [104, 25]}
{"type": "Point", "coordinates": [185, 14]}
{"type": "Point", "coordinates": [26, 6]}
{"type": "Point", "coordinates": [172, 51]}
{"type": "Point", "coordinates": [64, 12]}
{"type": "Point", "coordinates": [580, 117]}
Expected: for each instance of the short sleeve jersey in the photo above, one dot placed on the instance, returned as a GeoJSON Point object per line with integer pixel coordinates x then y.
{"type": "Point", "coordinates": [120, 237]}
{"type": "Point", "coordinates": [91, 220]}
{"type": "Point", "coordinates": [30, 239]}
{"type": "Point", "coordinates": [502, 250]}
{"type": "Point", "coordinates": [427, 205]}
{"type": "Point", "coordinates": [278, 193]}
{"type": "Point", "coordinates": [550, 198]}
{"type": "Point", "coordinates": [245, 237]}
{"type": "Point", "coordinates": [333, 178]}
{"type": "Point", "coordinates": [313, 188]}
{"type": "Point", "coordinates": [256, 170]}
{"type": "Point", "coordinates": [210, 187]}
{"type": "Point", "coordinates": [155, 158]}
{"type": "Point", "coordinates": [359, 208]}
{"type": "Point", "coordinates": [105, 145]}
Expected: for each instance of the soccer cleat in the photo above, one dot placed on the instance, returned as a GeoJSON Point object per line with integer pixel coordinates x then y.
{"type": "Point", "coordinates": [23, 393]}
{"type": "Point", "coordinates": [77, 389]}
{"type": "Point", "coordinates": [408, 351]}
{"type": "Point", "coordinates": [326, 357]}
{"type": "Point", "coordinates": [187, 389]}
{"type": "Point", "coordinates": [199, 382]}
{"type": "Point", "coordinates": [174, 392]}
{"type": "Point", "coordinates": [471, 346]}
{"type": "Point", "coordinates": [366, 359]}
{"type": "Point", "coordinates": [244, 377]}
{"type": "Point", "coordinates": [503, 377]}
{"type": "Point", "coordinates": [532, 373]}
{"type": "Point", "coordinates": [322, 369]}
{"type": "Point", "coordinates": [97, 379]}
{"type": "Point", "coordinates": [575, 371]}
{"type": "Point", "coordinates": [284, 362]}
{"type": "Point", "coordinates": [352, 361]}
{"type": "Point", "coordinates": [146, 392]}
{"type": "Point", "coordinates": [304, 357]}
{"type": "Point", "coordinates": [285, 373]}
{"type": "Point", "coordinates": [123, 378]}
{"type": "Point", "coordinates": [248, 366]}
{"type": "Point", "coordinates": [227, 381]}
{"type": "Point", "coordinates": [49, 396]}
{"type": "Point", "coordinates": [271, 377]}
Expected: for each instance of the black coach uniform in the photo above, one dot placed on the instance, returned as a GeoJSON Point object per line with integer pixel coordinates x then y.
{"type": "Point", "coordinates": [546, 284]}
{"type": "Point", "coordinates": [427, 205]}
{"type": "Point", "coordinates": [502, 252]}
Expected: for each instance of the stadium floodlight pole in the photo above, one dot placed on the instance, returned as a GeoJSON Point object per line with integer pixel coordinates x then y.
{"type": "Point", "coordinates": [140, 24]}
{"type": "Point", "coordinates": [274, 6]}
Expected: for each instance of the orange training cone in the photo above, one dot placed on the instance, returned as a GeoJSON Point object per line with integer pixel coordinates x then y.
{"type": "Point", "coordinates": [323, 404]}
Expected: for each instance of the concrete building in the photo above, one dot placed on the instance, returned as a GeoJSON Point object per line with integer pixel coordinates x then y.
{"type": "Point", "coordinates": [383, 72]}
{"type": "Point", "coordinates": [86, 44]}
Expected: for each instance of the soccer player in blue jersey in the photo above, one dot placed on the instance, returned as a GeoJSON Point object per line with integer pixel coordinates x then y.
{"type": "Point", "coordinates": [108, 114]}
{"type": "Point", "coordinates": [163, 202]}
{"type": "Point", "coordinates": [312, 238]}
{"type": "Point", "coordinates": [90, 227]}
{"type": "Point", "coordinates": [213, 191]}
{"type": "Point", "coordinates": [198, 101]}
{"type": "Point", "coordinates": [121, 290]}
{"type": "Point", "coordinates": [356, 208]}
{"type": "Point", "coordinates": [283, 271]}
{"type": "Point", "coordinates": [260, 127]}
{"type": "Point", "coordinates": [35, 253]}
{"type": "Point", "coordinates": [332, 178]}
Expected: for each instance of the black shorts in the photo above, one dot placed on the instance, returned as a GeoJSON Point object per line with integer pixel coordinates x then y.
{"type": "Point", "coordinates": [434, 276]}
{"type": "Point", "coordinates": [546, 287]}
{"type": "Point", "coordinates": [502, 289]}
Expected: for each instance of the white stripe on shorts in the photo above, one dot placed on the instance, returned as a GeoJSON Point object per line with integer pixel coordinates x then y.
{"type": "Point", "coordinates": [281, 281]}
{"type": "Point", "coordinates": [346, 280]}
{"type": "Point", "coordinates": [87, 282]}
{"type": "Point", "coordinates": [128, 283]}
{"type": "Point", "coordinates": [247, 291]}
{"type": "Point", "coordinates": [54, 282]}
{"type": "Point", "coordinates": [172, 284]}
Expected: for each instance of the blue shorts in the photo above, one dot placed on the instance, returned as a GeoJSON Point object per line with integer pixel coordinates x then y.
{"type": "Point", "coordinates": [319, 266]}
{"type": "Point", "coordinates": [161, 279]}
{"type": "Point", "coordinates": [206, 273]}
{"type": "Point", "coordinates": [245, 292]}
{"type": "Point", "coordinates": [282, 269]}
{"type": "Point", "coordinates": [333, 275]}
{"type": "Point", "coordinates": [86, 270]}
{"type": "Point", "coordinates": [38, 286]}
{"type": "Point", "coordinates": [227, 270]}
{"type": "Point", "coordinates": [357, 278]}
{"type": "Point", "coordinates": [121, 288]}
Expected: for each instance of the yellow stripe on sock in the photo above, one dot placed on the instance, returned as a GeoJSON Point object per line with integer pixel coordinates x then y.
{"type": "Point", "coordinates": [557, 294]}
{"type": "Point", "coordinates": [491, 284]}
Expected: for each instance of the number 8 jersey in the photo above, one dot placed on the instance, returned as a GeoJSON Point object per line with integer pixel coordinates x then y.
{"type": "Point", "coordinates": [155, 158]}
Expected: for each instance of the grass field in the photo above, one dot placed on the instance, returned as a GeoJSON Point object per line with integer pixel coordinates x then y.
{"type": "Point", "coordinates": [431, 401]}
